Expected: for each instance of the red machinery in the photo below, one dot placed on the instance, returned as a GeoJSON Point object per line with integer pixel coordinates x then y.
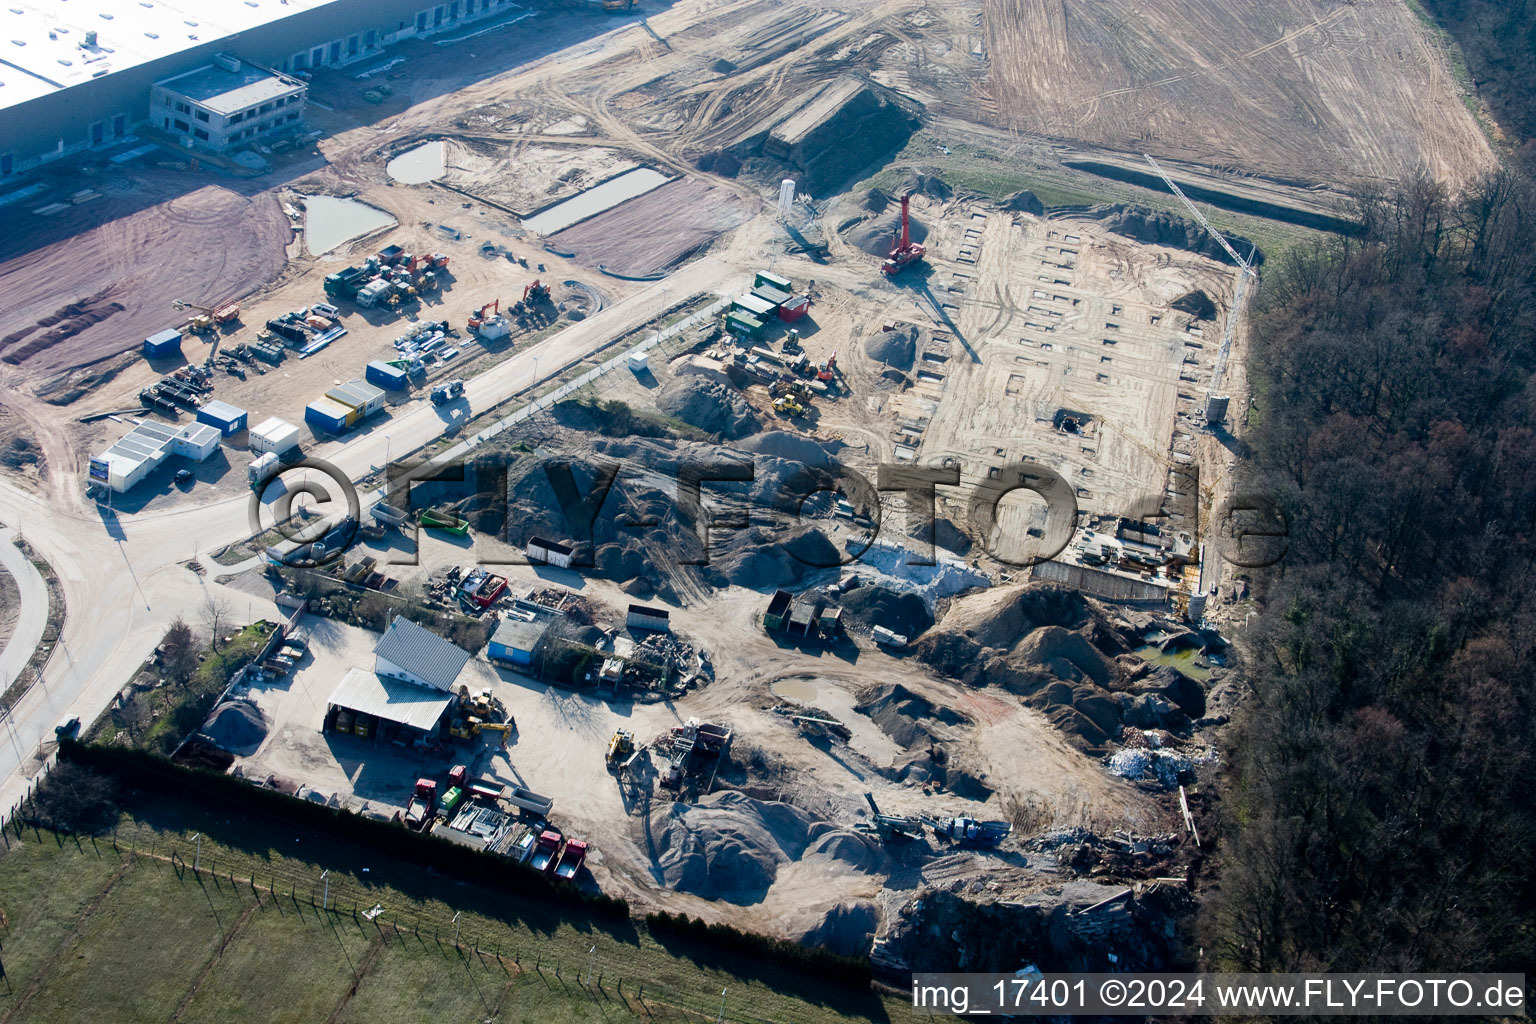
{"type": "Point", "coordinates": [536, 292]}
{"type": "Point", "coordinates": [828, 370]}
{"type": "Point", "coordinates": [906, 252]}
{"type": "Point", "coordinates": [480, 317]}
{"type": "Point", "coordinates": [423, 802]}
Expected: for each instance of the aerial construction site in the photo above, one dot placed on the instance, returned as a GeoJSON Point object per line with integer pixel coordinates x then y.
{"type": "Point", "coordinates": [934, 642]}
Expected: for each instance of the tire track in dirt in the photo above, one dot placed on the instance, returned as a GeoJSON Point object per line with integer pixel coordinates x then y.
{"type": "Point", "coordinates": [213, 960]}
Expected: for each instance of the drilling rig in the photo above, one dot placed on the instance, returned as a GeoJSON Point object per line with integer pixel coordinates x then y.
{"type": "Point", "coordinates": [904, 252]}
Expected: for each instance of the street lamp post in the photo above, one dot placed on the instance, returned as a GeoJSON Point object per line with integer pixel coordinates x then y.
{"type": "Point", "coordinates": [721, 1015]}
{"type": "Point", "coordinates": [197, 858]}
{"type": "Point", "coordinates": [325, 896]}
{"type": "Point", "coordinates": [591, 955]}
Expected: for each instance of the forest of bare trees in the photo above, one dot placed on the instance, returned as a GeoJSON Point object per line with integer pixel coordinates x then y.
{"type": "Point", "coordinates": [1380, 809]}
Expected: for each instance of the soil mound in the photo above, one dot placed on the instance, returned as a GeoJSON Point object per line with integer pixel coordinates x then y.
{"type": "Point", "coordinates": [906, 717]}
{"type": "Point", "coordinates": [237, 726]}
{"type": "Point", "coordinates": [1024, 202]}
{"type": "Point", "coordinates": [1158, 227]}
{"type": "Point", "coordinates": [877, 235]}
{"type": "Point", "coordinates": [1197, 304]}
{"type": "Point", "coordinates": [847, 929]}
{"type": "Point", "coordinates": [896, 349]}
{"type": "Point", "coordinates": [709, 406]}
{"type": "Point", "coordinates": [728, 846]}
{"type": "Point", "coordinates": [871, 606]}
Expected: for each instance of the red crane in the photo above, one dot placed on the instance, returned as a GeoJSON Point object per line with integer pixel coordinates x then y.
{"type": "Point", "coordinates": [905, 252]}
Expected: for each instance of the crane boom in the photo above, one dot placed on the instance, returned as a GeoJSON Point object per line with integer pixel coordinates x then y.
{"type": "Point", "coordinates": [1198, 215]}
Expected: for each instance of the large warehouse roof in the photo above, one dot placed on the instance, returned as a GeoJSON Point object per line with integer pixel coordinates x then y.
{"type": "Point", "coordinates": [44, 48]}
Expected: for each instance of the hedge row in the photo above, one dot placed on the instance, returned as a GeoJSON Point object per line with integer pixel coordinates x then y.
{"type": "Point", "coordinates": [819, 963]}
{"type": "Point", "coordinates": [152, 773]}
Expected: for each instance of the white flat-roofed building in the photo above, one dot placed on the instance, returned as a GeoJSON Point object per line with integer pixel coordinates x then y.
{"type": "Point", "coordinates": [227, 102]}
{"type": "Point", "coordinates": [142, 450]}
{"type": "Point", "coordinates": [78, 74]}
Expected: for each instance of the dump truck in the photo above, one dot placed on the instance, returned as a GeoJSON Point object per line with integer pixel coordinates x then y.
{"type": "Point", "coordinates": [620, 747]}
{"type": "Point", "coordinates": [423, 802]}
{"type": "Point", "coordinates": [345, 283]}
{"type": "Point", "coordinates": [448, 391]}
{"type": "Point", "coordinates": [545, 851]}
{"type": "Point", "coordinates": [570, 860]}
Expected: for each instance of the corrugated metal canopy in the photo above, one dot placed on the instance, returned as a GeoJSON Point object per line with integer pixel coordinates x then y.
{"type": "Point", "coordinates": [364, 691]}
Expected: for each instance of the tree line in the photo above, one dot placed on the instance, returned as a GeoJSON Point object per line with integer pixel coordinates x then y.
{"type": "Point", "coordinates": [1378, 812]}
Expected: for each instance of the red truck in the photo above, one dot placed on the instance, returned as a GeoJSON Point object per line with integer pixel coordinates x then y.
{"type": "Point", "coordinates": [546, 852]}
{"type": "Point", "coordinates": [570, 859]}
{"type": "Point", "coordinates": [423, 802]}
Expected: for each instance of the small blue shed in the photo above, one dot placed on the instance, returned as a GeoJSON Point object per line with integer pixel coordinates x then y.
{"type": "Point", "coordinates": [166, 343]}
{"type": "Point", "coordinates": [515, 639]}
{"type": "Point", "coordinates": [228, 418]}
{"type": "Point", "coordinates": [328, 415]}
{"type": "Point", "coordinates": [381, 374]}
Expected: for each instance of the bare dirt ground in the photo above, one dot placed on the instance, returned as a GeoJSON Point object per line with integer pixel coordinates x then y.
{"type": "Point", "coordinates": [651, 233]}
{"type": "Point", "coordinates": [528, 176]}
{"type": "Point", "coordinates": [1300, 89]}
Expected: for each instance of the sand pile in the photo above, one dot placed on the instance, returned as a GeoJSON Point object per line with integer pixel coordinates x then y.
{"type": "Point", "coordinates": [711, 407]}
{"type": "Point", "coordinates": [1024, 202]}
{"type": "Point", "coordinates": [1157, 227]}
{"type": "Point", "coordinates": [237, 726]}
{"type": "Point", "coordinates": [909, 719]}
{"type": "Point", "coordinates": [899, 611]}
{"type": "Point", "coordinates": [729, 846]}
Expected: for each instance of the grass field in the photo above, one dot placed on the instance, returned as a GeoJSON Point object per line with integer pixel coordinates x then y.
{"type": "Point", "coordinates": [136, 925]}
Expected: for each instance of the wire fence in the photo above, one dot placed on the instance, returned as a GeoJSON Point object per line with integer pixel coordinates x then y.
{"type": "Point", "coordinates": [607, 975]}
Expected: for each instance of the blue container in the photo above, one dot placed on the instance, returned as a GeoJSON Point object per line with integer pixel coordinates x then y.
{"type": "Point", "coordinates": [327, 415]}
{"type": "Point", "coordinates": [166, 343]}
{"type": "Point", "coordinates": [381, 375]}
{"type": "Point", "coordinates": [228, 418]}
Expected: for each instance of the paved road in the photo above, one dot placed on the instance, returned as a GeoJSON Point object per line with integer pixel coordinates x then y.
{"type": "Point", "coordinates": [122, 576]}
{"type": "Point", "coordinates": [34, 609]}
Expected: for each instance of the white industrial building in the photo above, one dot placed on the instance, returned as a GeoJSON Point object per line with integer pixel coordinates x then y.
{"type": "Point", "coordinates": [415, 654]}
{"type": "Point", "coordinates": [226, 103]}
{"type": "Point", "coordinates": [273, 435]}
{"type": "Point", "coordinates": [550, 551]}
{"type": "Point", "coordinates": [141, 451]}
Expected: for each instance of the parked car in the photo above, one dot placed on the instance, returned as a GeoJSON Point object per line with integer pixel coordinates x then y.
{"type": "Point", "coordinates": [67, 729]}
{"type": "Point", "coordinates": [184, 475]}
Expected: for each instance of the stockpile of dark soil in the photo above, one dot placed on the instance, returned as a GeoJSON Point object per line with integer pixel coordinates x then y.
{"type": "Point", "coordinates": [638, 530]}
{"type": "Point", "coordinates": [877, 235]}
{"type": "Point", "coordinates": [909, 719]}
{"type": "Point", "coordinates": [729, 846]}
{"type": "Point", "coordinates": [710, 406]}
{"type": "Point", "coordinates": [866, 131]}
{"type": "Point", "coordinates": [896, 349]}
{"type": "Point", "coordinates": [847, 929]}
{"type": "Point", "coordinates": [1158, 227]}
{"type": "Point", "coordinates": [237, 726]}
{"type": "Point", "coordinates": [1197, 304]}
{"type": "Point", "coordinates": [1024, 202]}
{"type": "Point", "coordinates": [1063, 655]}
{"type": "Point", "coordinates": [900, 612]}
{"type": "Point", "coordinates": [720, 161]}
{"type": "Point", "coordinates": [20, 451]}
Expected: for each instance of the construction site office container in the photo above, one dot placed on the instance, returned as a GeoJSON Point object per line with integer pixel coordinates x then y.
{"type": "Point", "coordinates": [359, 395]}
{"type": "Point", "coordinates": [746, 323]}
{"type": "Point", "coordinates": [754, 305]}
{"type": "Point", "coordinates": [795, 308]}
{"type": "Point", "coordinates": [328, 415]}
{"type": "Point", "coordinates": [768, 293]}
{"type": "Point", "coordinates": [166, 343]}
{"type": "Point", "coordinates": [274, 435]}
{"type": "Point", "coordinates": [772, 280]}
{"type": "Point", "coordinates": [228, 418]}
{"type": "Point", "coordinates": [381, 374]}
{"type": "Point", "coordinates": [261, 467]}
